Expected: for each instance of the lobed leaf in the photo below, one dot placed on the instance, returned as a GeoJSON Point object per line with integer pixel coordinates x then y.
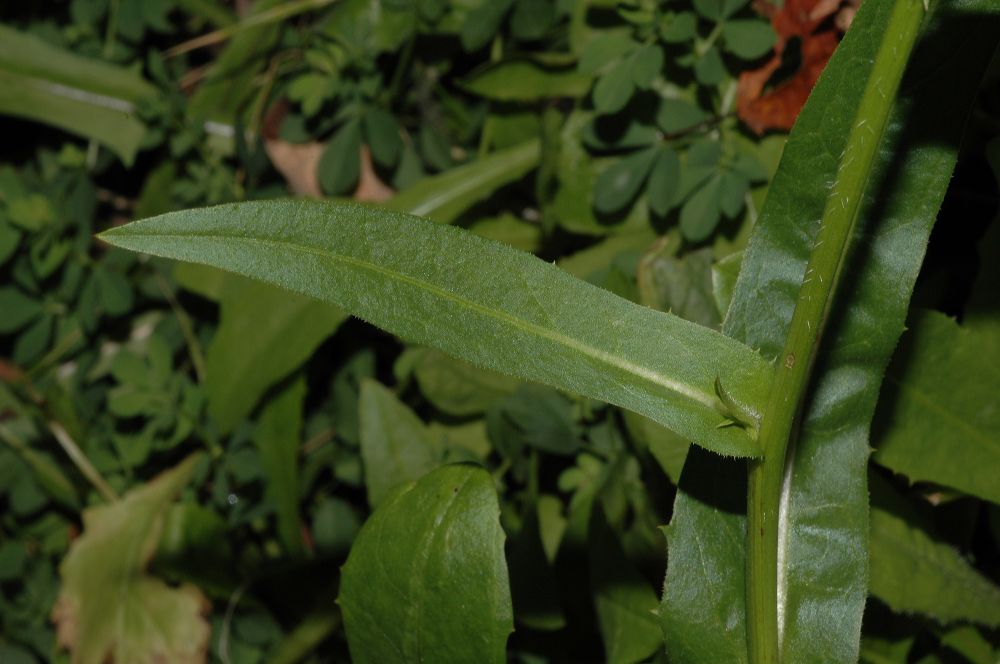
{"type": "Point", "coordinates": [479, 300]}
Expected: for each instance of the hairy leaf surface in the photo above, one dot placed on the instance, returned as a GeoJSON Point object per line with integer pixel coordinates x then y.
{"type": "Point", "coordinates": [823, 533]}
{"type": "Point", "coordinates": [426, 579]}
{"type": "Point", "coordinates": [481, 301]}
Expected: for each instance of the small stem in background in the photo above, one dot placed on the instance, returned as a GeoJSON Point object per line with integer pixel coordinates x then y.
{"type": "Point", "coordinates": [187, 329]}
{"type": "Point", "coordinates": [486, 136]}
{"type": "Point", "coordinates": [93, 147]}
{"type": "Point", "coordinates": [769, 477]}
{"type": "Point", "coordinates": [273, 15]}
{"type": "Point", "coordinates": [82, 463]}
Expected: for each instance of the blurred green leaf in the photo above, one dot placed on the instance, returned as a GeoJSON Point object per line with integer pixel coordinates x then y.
{"type": "Point", "coordinates": [939, 419]}
{"type": "Point", "coordinates": [914, 572]}
{"type": "Point", "coordinates": [664, 181]}
{"type": "Point", "coordinates": [619, 184]}
{"type": "Point", "coordinates": [18, 310]}
{"type": "Point", "coordinates": [278, 440]}
{"type": "Point", "coordinates": [92, 99]}
{"type": "Point", "coordinates": [340, 165]}
{"type": "Point", "coordinates": [626, 605]}
{"type": "Point", "coordinates": [395, 445]}
{"type": "Point", "coordinates": [523, 80]}
{"type": "Point", "coordinates": [457, 387]}
{"type": "Point", "coordinates": [718, 10]}
{"type": "Point", "coordinates": [748, 39]}
{"type": "Point", "coordinates": [149, 619]}
{"type": "Point", "coordinates": [700, 213]}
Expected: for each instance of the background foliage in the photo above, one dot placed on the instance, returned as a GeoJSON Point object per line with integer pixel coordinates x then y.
{"type": "Point", "coordinates": [210, 446]}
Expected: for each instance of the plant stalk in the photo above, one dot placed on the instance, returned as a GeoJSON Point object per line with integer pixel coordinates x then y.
{"type": "Point", "coordinates": [780, 423]}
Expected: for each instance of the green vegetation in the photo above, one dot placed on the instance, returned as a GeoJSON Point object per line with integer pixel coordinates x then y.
{"type": "Point", "coordinates": [641, 343]}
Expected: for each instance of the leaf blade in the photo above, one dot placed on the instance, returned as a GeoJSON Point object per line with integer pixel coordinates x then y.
{"type": "Point", "coordinates": [439, 584]}
{"type": "Point", "coordinates": [529, 319]}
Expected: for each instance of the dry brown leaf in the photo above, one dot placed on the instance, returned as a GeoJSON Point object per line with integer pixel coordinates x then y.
{"type": "Point", "coordinates": [806, 20]}
{"type": "Point", "coordinates": [298, 162]}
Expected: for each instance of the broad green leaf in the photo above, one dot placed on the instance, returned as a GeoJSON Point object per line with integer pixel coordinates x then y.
{"type": "Point", "coordinates": [700, 213]}
{"type": "Point", "coordinates": [383, 137]}
{"type": "Point", "coordinates": [624, 601]}
{"type": "Point", "coordinates": [528, 318]}
{"type": "Point", "coordinates": [614, 88]}
{"type": "Point", "coordinates": [680, 285]}
{"type": "Point", "coordinates": [483, 22]}
{"type": "Point", "coordinates": [264, 334]}
{"type": "Point", "coordinates": [444, 197]}
{"type": "Point", "coordinates": [456, 387]}
{"type": "Point", "coordinates": [647, 61]}
{"type": "Point", "coordinates": [541, 418]}
{"type": "Point", "coordinates": [148, 620]}
{"type": "Point", "coordinates": [619, 184]}
{"type": "Point", "coordinates": [939, 418]}
{"type": "Point", "coordinates": [396, 447]}
{"type": "Point", "coordinates": [523, 80]}
{"type": "Point", "coordinates": [676, 115]}
{"type": "Point", "coordinates": [717, 10]}
{"type": "Point", "coordinates": [90, 98]}
{"type": "Point", "coordinates": [748, 39]}
{"type": "Point", "coordinates": [709, 68]}
{"type": "Point", "coordinates": [914, 572]}
{"type": "Point", "coordinates": [18, 310]}
{"type": "Point", "coordinates": [669, 449]}
{"type": "Point", "coordinates": [195, 548]}
{"type": "Point", "coordinates": [340, 164]}
{"type": "Point", "coordinates": [664, 181]}
{"type": "Point", "coordinates": [532, 18]}
{"type": "Point", "coordinates": [278, 439]}
{"type": "Point", "coordinates": [825, 531]}
{"type": "Point", "coordinates": [426, 577]}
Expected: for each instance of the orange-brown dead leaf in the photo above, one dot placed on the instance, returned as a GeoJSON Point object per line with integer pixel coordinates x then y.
{"type": "Point", "coordinates": [806, 20]}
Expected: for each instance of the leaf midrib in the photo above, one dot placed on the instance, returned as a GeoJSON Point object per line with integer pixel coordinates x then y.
{"type": "Point", "coordinates": [682, 389]}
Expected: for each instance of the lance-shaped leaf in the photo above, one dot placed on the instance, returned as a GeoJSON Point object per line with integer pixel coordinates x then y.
{"type": "Point", "coordinates": [266, 332]}
{"type": "Point", "coordinates": [823, 531]}
{"type": "Point", "coordinates": [426, 579]}
{"type": "Point", "coordinates": [90, 98]}
{"type": "Point", "coordinates": [480, 300]}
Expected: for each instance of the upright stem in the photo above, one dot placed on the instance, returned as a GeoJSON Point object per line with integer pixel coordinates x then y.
{"type": "Point", "coordinates": [765, 564]}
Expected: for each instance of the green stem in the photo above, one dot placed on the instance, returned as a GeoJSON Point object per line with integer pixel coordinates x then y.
{"type": "Point", "coordinates": [767, 481]}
